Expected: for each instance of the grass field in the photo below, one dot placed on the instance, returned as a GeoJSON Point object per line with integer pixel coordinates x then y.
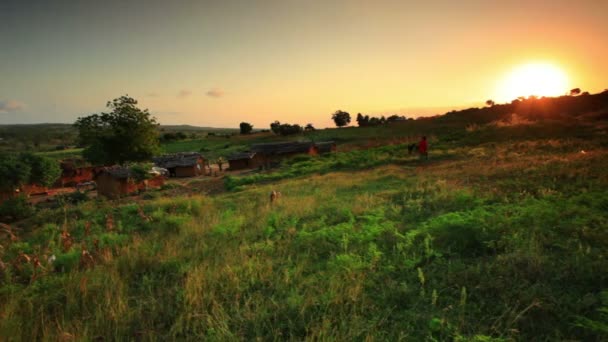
{"type": "Point", "coordinates": [499, 236]}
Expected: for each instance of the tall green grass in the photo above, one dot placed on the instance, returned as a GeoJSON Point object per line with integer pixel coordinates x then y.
{"type": "Point", "coordinates": [499, 241]}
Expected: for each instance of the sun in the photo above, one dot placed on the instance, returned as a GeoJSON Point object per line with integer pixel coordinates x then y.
{"type": "Point", "coordinates": [532, 79]}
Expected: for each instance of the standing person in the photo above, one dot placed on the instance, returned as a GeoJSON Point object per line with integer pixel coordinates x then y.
{"type": "Point", "coordinates": [422, 148]}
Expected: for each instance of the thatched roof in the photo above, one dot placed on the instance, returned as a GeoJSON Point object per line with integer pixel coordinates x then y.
{"type": "Point", "coordinates": [117, 172]}
{"type": "Point", "coordinates": [183, 159]}
{"type": "Point", "coordinates": [242, 155]}
{"type": "Point", "coordinates": [282, 147]}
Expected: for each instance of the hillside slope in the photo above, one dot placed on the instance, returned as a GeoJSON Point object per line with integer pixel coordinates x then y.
{"type": "Point", "coordinates": [500, 235]}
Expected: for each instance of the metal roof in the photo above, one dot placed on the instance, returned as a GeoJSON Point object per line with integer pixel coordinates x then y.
{"type": "Point", "coordinates": [183, 159]}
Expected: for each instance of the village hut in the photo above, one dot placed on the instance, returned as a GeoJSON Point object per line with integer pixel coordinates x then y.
{"type": "Point", "coordinates": [245, 160]}
{"type": "Point", "coordinates": [273, 152]}
{"type": "Point", "coordinates": [186, 164]}
{"type": "Point", "coordinates": [115, 182]}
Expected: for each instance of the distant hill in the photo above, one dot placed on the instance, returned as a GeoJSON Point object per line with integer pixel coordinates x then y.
{"type": "Point", "coordinates": [590, 107]}
{"type": "Point", "coordinates": [190, 128]}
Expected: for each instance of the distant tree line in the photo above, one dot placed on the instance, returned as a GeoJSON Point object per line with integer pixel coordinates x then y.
{"type": "Point", "coordinates": [285, 128]}
{"type": "Point", "coordinates": [366, 120]}
{"type": "Point", "coordinates": [169, 137]}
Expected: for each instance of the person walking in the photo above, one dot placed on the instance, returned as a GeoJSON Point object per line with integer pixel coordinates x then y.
{"type": "Point", "coordinates": [423, 148]}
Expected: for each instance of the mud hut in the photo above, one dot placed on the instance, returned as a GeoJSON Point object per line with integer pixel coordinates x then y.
{"type": "Point", "coordinates": [187, 164]}
{"type": "Point", "coordinates": [115, 182]}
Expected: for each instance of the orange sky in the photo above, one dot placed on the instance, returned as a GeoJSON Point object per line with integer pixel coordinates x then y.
{"type": "Point", "coordinates": [193, 62]}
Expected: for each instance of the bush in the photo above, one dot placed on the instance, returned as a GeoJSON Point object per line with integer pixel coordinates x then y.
{"type": "Point", "coordinates": [74, 197]}
{"type": "Point", "coordinates": [15, 208]}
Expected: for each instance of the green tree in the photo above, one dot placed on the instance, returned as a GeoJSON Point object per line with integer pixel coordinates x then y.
{"type": "Point", "coordinates": [27, 168]}
{"type": "Point", "coordinates": [341, 118]}
{"type": "Point", "coordinates": [246, 127]}
{"type": "Point", "coordinates": [125, 134]}
{"type": "Point", "coordinates": [44, 171]}
{"type": "Point", "coordinates": [14, 172]}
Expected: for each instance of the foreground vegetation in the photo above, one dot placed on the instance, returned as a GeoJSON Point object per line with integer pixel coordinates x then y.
{"type": "Point", "coordinates": [500, 236]}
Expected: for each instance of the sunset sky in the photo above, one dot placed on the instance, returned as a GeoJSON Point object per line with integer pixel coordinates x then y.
{"type": "Point", "coordinates": [218, 63]}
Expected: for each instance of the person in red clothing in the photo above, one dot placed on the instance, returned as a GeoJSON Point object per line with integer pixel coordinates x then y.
{"type": "Point", "coordinates": [422, 148]}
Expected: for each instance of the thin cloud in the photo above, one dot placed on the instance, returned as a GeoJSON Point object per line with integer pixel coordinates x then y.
{"type": "Point", "coordinates": [215, 92]}
{"type": "Point", "coordinates": [184, 93]}
{"type": "Point", "coordinates": [10, 106]}
{"type": "Point", "coordinates": [152, 94]}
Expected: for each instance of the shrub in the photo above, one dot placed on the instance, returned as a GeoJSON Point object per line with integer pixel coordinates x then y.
{"type": "Point", "coordinates": [16, 208]}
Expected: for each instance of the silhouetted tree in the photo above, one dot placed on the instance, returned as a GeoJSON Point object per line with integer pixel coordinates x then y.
{"type": "Point", "coordinates": [246, 127]}
{"type": "Point", "coordinates": [309, 128]}
{"type": "Point", "coordinates": [341, 118]}
{"type": "Point", "coordinates": [360, 120]}
{"type": "Point", "coordinates": [575, 91]}
{"type": "Point", "coordinates": [395, 117]}
{"type": "Point", "coordinates": [127, 133]}
{"type": "Point", "coordinates": [287, 129]}
{"type": "Point", "coordinates": [490, 103]}
{"type": "Point", "coordinates": [275, 127]}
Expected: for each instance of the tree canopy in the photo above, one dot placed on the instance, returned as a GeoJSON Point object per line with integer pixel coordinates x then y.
{"type": "Point", "coordinates": [366, 120]}
{"type": "Point", "coordinates": [275, 127]}
{"type": "Point", "coordinates": [125, 134]}
{"type": "Point", "coordinates": [27, 168]}
{"type": "Point", "coordinates": [341, 118]}
{"type": "Point", "coordinates": [246, 127]}
{"type": "Point", "coordinates": [285, 129]}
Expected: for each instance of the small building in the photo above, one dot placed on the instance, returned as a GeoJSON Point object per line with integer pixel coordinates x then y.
{"type": "Point", "coordinates": [186, 164]}
{"type": "Point", "coordinates": [272, 153]}
{"type": "Point", "coordinates": [115, 182]}
{"type": "Point", "coordinates": [245, 160]}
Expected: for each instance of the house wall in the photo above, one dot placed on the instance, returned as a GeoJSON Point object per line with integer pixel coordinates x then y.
{"type": "Point", "coordinates": [238, 164]}
{"type": "Point", "coordinates": [111, 187]}
{"type": "Point", "coordinates": [191, 171]}
{"type": "Point", "coordinates": [256, 161]}
{"type": "Point", "coordinates": [250, 163]}
{"type": "Point", "coordinates": [182, 171]}
{"type": "Point", "coordinates": [152, 183]}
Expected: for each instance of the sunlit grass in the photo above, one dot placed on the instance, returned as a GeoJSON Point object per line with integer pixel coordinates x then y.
{"type": "Point", "coordinates": [497, 241]}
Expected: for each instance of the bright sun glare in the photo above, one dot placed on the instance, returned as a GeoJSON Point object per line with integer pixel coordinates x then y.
{"type": "Point", "coordinates": [539, 79]}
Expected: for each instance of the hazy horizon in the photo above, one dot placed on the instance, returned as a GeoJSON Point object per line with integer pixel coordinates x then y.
{"type": "Point", "coordinates": [217, 64]}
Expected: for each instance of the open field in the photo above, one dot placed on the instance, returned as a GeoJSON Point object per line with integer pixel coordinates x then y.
{"type": "Point", "coordinates": [499, 236]}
